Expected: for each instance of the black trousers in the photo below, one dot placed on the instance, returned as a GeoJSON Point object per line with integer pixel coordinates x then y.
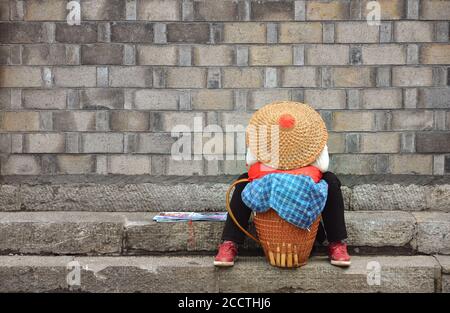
{"type": "Point", "coordinates": [332, 227]}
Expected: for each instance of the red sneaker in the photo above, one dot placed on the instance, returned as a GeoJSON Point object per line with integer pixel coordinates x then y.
{"type": "Point", "coordinates": [337, 252]}
{"type": "Point", "coordinates": [227, 254]}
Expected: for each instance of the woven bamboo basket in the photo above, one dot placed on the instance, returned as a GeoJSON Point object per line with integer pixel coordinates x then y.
{"type": "Point", "coordinates": [284, 244]}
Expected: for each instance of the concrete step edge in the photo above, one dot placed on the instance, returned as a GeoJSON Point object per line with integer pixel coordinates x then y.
{"type": "Point", "coordinates": [197, 274]}
{"type": "Point", "coordinates": [102, 233]}
{"type": "Point", "coordinates": [206, 196]}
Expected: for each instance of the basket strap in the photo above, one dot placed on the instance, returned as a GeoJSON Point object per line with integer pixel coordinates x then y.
{"type": "Point", "coordinates": [231, 213]}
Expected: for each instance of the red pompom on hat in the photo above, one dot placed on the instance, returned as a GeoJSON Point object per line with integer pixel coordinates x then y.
{"type": "Point", "coordinates": [286, 121]}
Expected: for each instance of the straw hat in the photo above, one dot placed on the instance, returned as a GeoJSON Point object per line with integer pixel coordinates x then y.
{"type": "Point", "coordinates": [286, 135]}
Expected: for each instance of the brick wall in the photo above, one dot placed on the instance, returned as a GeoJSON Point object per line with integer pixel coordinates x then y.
{"type": "Point", "coordinates": [102, 97]}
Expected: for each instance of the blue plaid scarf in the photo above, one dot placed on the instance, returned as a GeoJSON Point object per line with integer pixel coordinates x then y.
{"type": "Point", "coordinates": [296, 198]}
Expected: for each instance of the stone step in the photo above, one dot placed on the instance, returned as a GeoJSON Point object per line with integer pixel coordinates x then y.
{"type": "Point", "coordinates": [105, 233]}
{"type": "Point", "coordinates": [205, 194]}
{"type": "Point", "coordinates": [197, 274]}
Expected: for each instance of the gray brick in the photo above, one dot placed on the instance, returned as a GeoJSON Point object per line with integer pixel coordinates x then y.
{"type": "Point", "coordinates": [158, 143]}
{"type": "Point", "coordinates": [156, 99]}
{"type": "Point", "coordinates": [16, 99]}
{"type": "Point", "coordinates": [353, 99]}
{"type": "Point", "coordinates": [359, 164]}
{"type": "Point", "coordinates": [185, 55]}
{"type": "Point", "coordinates": [241, 100]}
{"type": "Point", "coordinates": [412, 120]}
{"type": "Point", "coordinates": [20, 76]}
{"type": "Point", "coordinates": [130, 76]}
{"type": "Point", "coordinates": [188, 33]}
{"type": "Point", "coordinates": [85, 76]}
{"type": "Point", "coordinates": [215, 10]}
{"type": "Point", "coordinates": [328, 33]}
{"type": "Point", "coordinates": [156, 55]}
{"type": "Point", "coordinates": [74, 121]}
{"type": "Point", "coordinates": [412, 9]}
{"type": "Point", "coordinates": [157, 10]}
{"type": "Point", "coordinates": [44, 143]}
{"type": "Point", "coordinates": [102, 76]}
{"type": "Point", "coordinates": [272, 11]}
{"type": "Point", "coordinates": [5, 143]}
{"type": "Point", "coordinates": [410, 98]}
{"type": "Point", "coordinates": [104, 32]}
{"type": "Point", "coordinates": [47, 77]}
{"type": "Point", "coordinates": [383, 77]}
{"type": "Point", "coordinates": [160, 33]}
{"type": "Point", "coordinates": [383, 120]}
{"type": "Point", "coordinates": [216, 33]}
{"type": "Point", "coordinates": [209, 100]}
{"type": "Point", "coordinates": [411, 164]}
{"type": "Point", "coordinates": [130, 10]}
{"type": "Point", "coordinates": [447, 164]}
{"type": "Point", "coordinates": [129, 55]}
{"type": "Point", "coordinates": [412, 76]}
{"type": "Point", "coordinates": [241, 56]}
{"type": "Point", "coordinates": [299, 77]}
{"type": "Point", "coordinates": [355, 55]}
{"type": "Point", "coordinates": [43, 54]}
{"type": "Point", "coordinates": [382, 99]}
{"type": "Point", "coordinates": [433, 142]}
{"type": "Point", "coordinates": [75, 164]}
{"type": "Point", "coordinates": [260, 98]}
{"type": "Point", "coordinates": [131, 32]}
{"type": "Point", "coordinates": [16, 55]}
{"type": "Point", "coordinates": [47, 10]}
{"type": "Point", "coordinates": [16, 32]}
{"type": "Point", "coordinates": [102, 121]}
{"type": "Point", "coordinates": [434, 98]}
{"type": "Point", "coordinates": [73, 141]}
{"type": "Point", "coordinates": [326, 99]}
{"type": "Point", "coordinates": [299, 55]}
{"type": "Point", "coordinates": [412, 54]}
{"type": "Point", "coordinates": [129, 164]}
{"type": "Point", "coordinates": [79, 34]}
{"type": "Point", "coordinates": [442, 31]}
{"type": "Point", "coordinates": [187, 10]}
{"type": "Point", "coordinates": [48, 164]}
{"type": "Point", "coordinates": [103, 10]}
{"type": "Point", "coordinates": [102, 54]}
{"type": "Point", "coordinates": [438, 164]}
{"type": "Point", "coordinates": [272, 33]}
{"type": "Point", "coordinates": [17, 10]}
{"type": "Point", "coordinates": [46, 120]}
{"type": "Point", "coordinates": [102, 98]}
{"type": "Point", "coordinates": [386, 33]}
{"type": "Point", "coordinates": [270, 77]}
{"type": "Point", "coordinates": [21, 165]}
{"type": "Point", "coordinates": [300, 10]}
{"type": "Point", "coordinates": [44, 98]}
{"type": "Point", "coordinates": [73, 55]}
{"type": "Point", "coordinates": [129, 121]}
{"type": "Point", "coordinates": [101, 164]}
{"type": "Point", "coordinates": [5, 98]}
{"type": "Point", "coordinates": [102, 143]}
{"type": "Point", "coordinates": [5, 52]}
{"type": "Point", "coordinates": [313, 32]}
{"type": "Point", "coordinates": [352, 143]}
{"type": "Point", "coordinates": [439, 120]}
{"type": "Point", "coordinates": [16, 143]}
{"type": "Point", "coordinates": [73, 99]}
{"type": "Point", "coordinates": [407, 143]}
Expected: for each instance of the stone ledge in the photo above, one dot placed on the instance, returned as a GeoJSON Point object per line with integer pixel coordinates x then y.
{"type": "Point", "coordinates": [195, 194]}
{"type": "Point", "coordinates": [250, 274]}
{"type": "Point", "coordinates": [101, 233]}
